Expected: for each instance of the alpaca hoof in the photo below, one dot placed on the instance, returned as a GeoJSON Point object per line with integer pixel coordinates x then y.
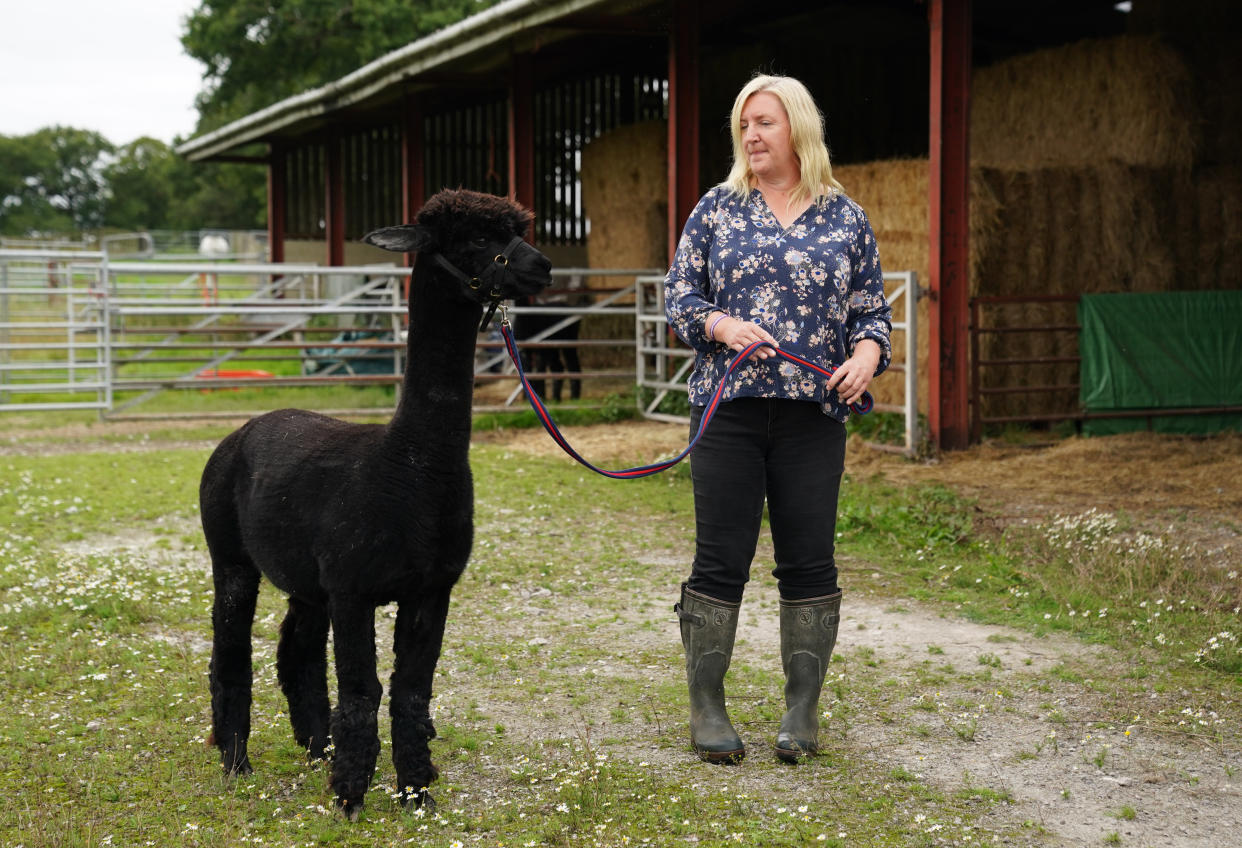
{"type": "Point", "coordinates": [420, 800]}
{"type": "Point", "coordinates": [242, 769]}
{"type": "Point", "coordinates": [350, 809]}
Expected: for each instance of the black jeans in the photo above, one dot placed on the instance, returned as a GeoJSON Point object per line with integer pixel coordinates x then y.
{"type": "Point", "coordinates": [793, 454]}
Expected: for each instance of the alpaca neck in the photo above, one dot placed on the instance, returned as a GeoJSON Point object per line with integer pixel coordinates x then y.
{"type": "Point", "coordinates": [436, 395]}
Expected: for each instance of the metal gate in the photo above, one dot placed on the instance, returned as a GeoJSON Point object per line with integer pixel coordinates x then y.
{"type": "Point", "coordinates": [662, 361]}
{"type": "Point", "coordinates": [80, 332]}
{"type": "Point", "coordinates": [53, 331]}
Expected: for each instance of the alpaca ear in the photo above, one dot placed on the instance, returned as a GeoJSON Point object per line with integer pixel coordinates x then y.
{"type": "Point", "coordinates": [406, 238]}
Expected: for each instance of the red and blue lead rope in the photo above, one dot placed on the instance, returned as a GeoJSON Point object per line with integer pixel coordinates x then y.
{"type": "Point", "coordinates": [861, 407]}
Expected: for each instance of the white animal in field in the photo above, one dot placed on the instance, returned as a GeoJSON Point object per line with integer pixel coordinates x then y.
{"type": "Point", "coordinates": [213, 244]}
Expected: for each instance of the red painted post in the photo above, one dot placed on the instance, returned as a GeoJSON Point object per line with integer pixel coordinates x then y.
{"type": "Point", "coordinates": [413, 172]}
{"type": "Point", "coordinates": [522, 134]}
{"type": "Point", "coordinates": [683, 118]}
{"type": "Point", "coordinates": [277, 203]}
{"type": "Point", "coordinates": [949, 190]}
{"type": "Point", "coordinates": [334, 203]}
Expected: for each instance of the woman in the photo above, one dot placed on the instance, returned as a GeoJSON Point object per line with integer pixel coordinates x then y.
{"type": "Point", "coordinates": [776, 253]}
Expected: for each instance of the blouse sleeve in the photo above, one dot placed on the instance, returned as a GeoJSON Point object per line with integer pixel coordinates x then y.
{"type": "Point", "coordinates": [687, 287]}
{"type": "Point", "coordinates": [868, 313]}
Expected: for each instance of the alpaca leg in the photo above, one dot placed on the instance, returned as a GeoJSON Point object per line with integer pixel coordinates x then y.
{"type": "Point", "coordinates": [552, 360]}
{"type": "Point", "coordinates": [302, 666]}
{"type": "Point", "coordinates": [419, 637]}
{"type": "Point", "coordinates": [531, 362]}
{"type": "Point", "coordinates": [237, 590]}
{"type": "Point", "coordinates": [355, 734]}
{"type": "Point", "coordinates": [573, 364]}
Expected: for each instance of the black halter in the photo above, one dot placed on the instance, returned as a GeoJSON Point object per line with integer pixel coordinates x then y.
{"type": "Point", "coordinates": [489, 279]}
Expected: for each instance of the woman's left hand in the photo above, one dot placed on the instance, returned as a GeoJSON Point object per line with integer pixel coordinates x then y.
{"type": "Point", "coordinates": [854, 375]}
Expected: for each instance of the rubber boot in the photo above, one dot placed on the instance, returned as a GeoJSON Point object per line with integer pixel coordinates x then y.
{"type": "Point", "coordinates": [708, 627]}
{"type": "Point", "coordinates": [808, 635]}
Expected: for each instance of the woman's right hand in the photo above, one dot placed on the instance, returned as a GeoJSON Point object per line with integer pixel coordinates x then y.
{"type": "Point", "coordinates": [737, 335]}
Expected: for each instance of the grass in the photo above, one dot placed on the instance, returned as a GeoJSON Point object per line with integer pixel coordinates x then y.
{"type": "Point", "coordinates": [1095, 574]}
{"type": "Point", "coordinates": [105, 619]}
{"type": "Point", "coordinates": [107, 711]}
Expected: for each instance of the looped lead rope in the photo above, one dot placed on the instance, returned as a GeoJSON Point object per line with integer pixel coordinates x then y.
{"type": "Point", "coordinates": [861, 407]}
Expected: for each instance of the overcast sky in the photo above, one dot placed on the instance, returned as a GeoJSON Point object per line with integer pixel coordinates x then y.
{"type": "Point", "coordinates": [115, 67]}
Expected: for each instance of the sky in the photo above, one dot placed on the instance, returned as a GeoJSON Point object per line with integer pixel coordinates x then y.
{"type": "Point", "coordinates": [115, 67]}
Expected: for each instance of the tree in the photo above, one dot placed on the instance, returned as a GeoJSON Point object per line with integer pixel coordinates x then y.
{"type": "Point", "coordinates": [143, 183]}
{"type": "Point", "coordinates": [52, 180]}
{"type": "Point", "coordinates": [61, 180]}
{"type": "Point", "coordinates": [219, 195]}
{"type": "Point", "coordinates": [258, 52]}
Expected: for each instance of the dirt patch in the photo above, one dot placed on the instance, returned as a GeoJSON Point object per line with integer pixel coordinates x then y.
{"type": "Point", "coordinates": [1158, 480]}
{"type": "Point", "coordinates": [1076, 770]}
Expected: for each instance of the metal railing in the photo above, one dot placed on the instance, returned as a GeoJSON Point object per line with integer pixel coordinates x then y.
{"type": "Point", "coordinates": [662, 362]}
{"type": "Point", "coordinates": [77, 331]}
{"type": "Point", "coordinates": [1061, 390]}
{"type": "Point", "coordinates": [981, 394]}
{"type": "Point", "coordinates": [53, 335]}
{"type": "Point", "coordinates": [139, 329]}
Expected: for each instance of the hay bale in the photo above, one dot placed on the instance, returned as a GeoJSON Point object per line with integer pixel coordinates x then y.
{"type": "Point", "coordinates": [1106, 228]}
{"type": "Point", "coordinates": [1213, 199]}
{"type": "Point", "coordinates": [1123, 100]}
{"type": "Point", "coordinates": [894, 194]}
{"type": "Point", "coordinates": [1072, 230]}
{"type": "Point", "coordinates": [625, 197]}
{"type": "Point", "coordinates": [1215, 58]}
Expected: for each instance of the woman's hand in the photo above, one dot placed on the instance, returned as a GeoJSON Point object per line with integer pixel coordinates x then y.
{"type": "Point", "coordinates": [854, 375]}
{"type": "Point", "coordinates": [737, 335]}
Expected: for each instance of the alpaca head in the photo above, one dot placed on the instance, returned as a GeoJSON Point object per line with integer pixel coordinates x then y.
{"type": "Point", "coordinates": [472, 232]}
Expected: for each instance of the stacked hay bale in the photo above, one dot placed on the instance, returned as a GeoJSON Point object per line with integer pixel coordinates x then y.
{"type": "Point", "coordinates": [1083, 180]}
{"type": "Point", "coordinates": [1123, 100]}
{"type": "Point", "coordinates": [893, 193]}
{"type": "Point", "coordinates": [1089, 149]}
{"type": "Point", "coordinates": [625, 196]}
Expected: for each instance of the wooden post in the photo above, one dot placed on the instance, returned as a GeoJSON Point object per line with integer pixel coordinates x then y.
{"type": "Point", "coordinates": [334, 203]}
{"type": "Point", "coordinates": [949, 190]}
{"type": "Point", "coordinates": [522, 134]}
{"type": "Point", "coordinates": [683, 118]}
{"type": "Point", "coordinates": [277, 204]}
{"type": "Point", "coordinates": [413, 172]}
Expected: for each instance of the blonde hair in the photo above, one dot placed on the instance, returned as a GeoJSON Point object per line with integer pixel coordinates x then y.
{"type": "Point", "coordinates": [806, 134]}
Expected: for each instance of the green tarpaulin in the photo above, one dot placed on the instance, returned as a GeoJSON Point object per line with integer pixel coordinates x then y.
{"type": "Point", "coordinates": [1161, 351]}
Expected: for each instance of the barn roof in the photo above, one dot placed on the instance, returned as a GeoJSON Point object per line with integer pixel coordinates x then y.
{"type": "Point", "coordinates": [477, 44]}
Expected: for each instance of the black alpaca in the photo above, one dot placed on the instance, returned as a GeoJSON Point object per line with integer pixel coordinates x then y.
{"type": "Point", "coordinates": [346, 517]}
{"type": "Point", "coordinates": [554, 360]}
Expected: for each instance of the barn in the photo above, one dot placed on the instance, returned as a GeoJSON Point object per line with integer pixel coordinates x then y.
{"type": "Point", "coordinates": [1024, 159]}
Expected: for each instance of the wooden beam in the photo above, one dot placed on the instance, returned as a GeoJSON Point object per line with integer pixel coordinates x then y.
{"type": "Point", "coordinates": [334, 202]}
{"type": "Point", "coordinates": [613, 26]}
{"type": "Point", "coordinates": [277, 204]}
{"type": "Point", "coordinates": [949, 190]}
{"type": "Point", "coordinates": [522, 134]}
{"type": "Point", "coordinates": [683, 118]}
{"type": "Point", "coordinates": [238, 159]}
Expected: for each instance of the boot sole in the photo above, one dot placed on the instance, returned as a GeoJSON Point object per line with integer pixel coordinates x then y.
{"type": "Point", "coordinates": [793, 756]}
{"type": "Point", "coordinates": [725, 758]}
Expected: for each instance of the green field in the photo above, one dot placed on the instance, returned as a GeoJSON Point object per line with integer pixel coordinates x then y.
{"type": "Point", "coordinates": [560, 693]}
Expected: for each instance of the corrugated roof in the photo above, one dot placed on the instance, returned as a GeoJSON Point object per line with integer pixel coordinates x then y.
{"type": "Point", "coordinates": [486, 29]}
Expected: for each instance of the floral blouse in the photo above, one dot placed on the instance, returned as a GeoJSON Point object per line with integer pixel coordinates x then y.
{"type": "Point", "coordinates": [816, 287]}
